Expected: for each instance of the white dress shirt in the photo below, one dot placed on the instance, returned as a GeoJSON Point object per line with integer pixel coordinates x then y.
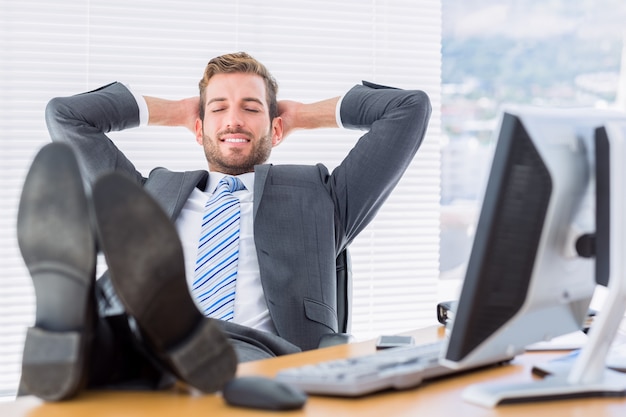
{"type": "Point", "coordinates": [250, 306]}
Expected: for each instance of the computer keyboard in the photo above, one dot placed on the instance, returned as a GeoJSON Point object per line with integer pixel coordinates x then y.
{"type": "Point", "coordinates": [397, 368]}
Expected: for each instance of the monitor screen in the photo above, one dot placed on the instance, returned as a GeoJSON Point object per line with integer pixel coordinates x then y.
{"type": "Point", "coordinates": [602, 170]}
{"type": "Point", "coordinates": [528, 277]}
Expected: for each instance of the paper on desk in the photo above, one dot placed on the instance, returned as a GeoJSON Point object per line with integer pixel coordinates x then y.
{"type": "Point", "coordinates": [570, 341]}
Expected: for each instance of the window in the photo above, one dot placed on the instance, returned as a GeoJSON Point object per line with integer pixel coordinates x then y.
{"type": "Point", "coordinates": [316, 49]}
{"type": "Point", "coordinates": [551, 54]}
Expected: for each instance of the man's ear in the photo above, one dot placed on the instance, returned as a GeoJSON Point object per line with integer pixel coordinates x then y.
{"type": "Point", "coordinates": [277, 131]}
{"type": "Point", "coordinates": [199, 131]}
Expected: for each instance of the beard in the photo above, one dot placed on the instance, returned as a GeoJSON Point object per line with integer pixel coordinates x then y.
{"type": "Point", "coordinates": [237, 161]}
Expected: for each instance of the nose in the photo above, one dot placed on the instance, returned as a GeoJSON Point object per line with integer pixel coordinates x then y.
{"type": "Point", "coordinates": [234, 118]}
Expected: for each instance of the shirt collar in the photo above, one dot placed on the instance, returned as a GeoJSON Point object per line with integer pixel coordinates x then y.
{"type": "Point", "coordinates": [216, 177]}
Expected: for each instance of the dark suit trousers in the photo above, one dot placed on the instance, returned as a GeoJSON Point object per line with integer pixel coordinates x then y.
{"type": "Point", "coordinates": [120, 359]}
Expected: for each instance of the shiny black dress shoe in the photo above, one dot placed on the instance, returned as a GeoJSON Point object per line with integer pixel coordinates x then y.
{"type": "Point", "coordinates": [146, 267]}
{"type": "Point", "coordinates": [57, 243]}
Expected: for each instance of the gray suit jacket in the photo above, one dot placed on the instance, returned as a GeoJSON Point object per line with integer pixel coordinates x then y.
{"type": "Point", "coordinates": [304, 216]}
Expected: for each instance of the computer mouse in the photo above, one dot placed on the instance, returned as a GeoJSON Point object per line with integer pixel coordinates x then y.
{"type": "Point", "coordinates": [263, 393]}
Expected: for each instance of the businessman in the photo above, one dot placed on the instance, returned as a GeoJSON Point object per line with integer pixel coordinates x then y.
{"type": "Point", "coordinates": [157, 314]}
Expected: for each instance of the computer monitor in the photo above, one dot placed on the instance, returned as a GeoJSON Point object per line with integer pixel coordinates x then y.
{"type": "Point", "coordinates": [530, 275]}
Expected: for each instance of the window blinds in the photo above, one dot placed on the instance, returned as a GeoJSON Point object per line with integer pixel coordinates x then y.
{"type": "Point", "coordinates": [316, 49]}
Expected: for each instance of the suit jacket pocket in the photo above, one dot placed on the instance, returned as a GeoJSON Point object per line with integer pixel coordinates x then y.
{"type": "Point", "coordinates": [321, 313]}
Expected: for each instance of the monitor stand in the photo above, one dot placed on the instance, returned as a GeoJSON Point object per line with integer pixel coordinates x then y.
{"type": "Point", "coordinates": [588, 376]}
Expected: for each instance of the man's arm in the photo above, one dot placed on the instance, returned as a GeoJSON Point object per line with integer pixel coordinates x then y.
{"type": "Point", "coordinates": [83, 120]}
{"type": "Point", "coordinates": [295, 115]}
{"type": "Point", "coordinates": [164, 112]}
{"type": "Point", "coordinates": [396, 122]}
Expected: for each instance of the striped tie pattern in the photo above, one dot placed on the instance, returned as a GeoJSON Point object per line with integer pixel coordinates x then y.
{"type": "Point", "coordinates": [218, 252]}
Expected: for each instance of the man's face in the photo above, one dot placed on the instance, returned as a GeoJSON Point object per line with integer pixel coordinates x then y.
{"type": "Point", "coordinates": [236, 132]}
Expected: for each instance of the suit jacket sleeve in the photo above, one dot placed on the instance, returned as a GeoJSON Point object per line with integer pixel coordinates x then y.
{"type": "Point", "coordinates": [83, 121]}
{"type": "Point", "coordinates": [396, 121]}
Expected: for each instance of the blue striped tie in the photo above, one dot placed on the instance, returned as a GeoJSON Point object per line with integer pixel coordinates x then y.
{"type": "Point", "coordinates": [218, 252]}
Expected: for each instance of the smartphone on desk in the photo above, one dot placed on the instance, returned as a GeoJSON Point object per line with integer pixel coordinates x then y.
{"type": "Point", "coordinates": [389, 341]}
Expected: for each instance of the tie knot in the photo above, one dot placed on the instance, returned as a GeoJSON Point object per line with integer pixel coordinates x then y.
{"type": "Point", "coordinates": [232, 184]}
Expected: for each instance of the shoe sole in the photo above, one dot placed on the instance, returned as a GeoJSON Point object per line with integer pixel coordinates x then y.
{"type": "Point", "coordinates": [146, 266]}
{"type": "Point", "coordinates": [58, 246]}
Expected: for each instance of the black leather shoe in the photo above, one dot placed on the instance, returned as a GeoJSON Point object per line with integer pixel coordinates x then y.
{"type": "Point", "coordinates": [57, 242]}
{"type": "Point", "coordinates": [146, 266]}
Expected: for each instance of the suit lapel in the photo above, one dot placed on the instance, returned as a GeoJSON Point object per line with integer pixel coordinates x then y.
{"type": "Point", "coordinates": [260, 176]}
{"type": "Point", "coordinates": [172, 189]}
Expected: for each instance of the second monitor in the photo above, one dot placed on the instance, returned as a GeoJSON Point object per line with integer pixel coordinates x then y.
{"type": "Point", "coordinates": [531, 272]}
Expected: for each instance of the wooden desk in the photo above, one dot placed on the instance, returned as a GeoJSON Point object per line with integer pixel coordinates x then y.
{"type": "Point", "coordinates": [440, 398]}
